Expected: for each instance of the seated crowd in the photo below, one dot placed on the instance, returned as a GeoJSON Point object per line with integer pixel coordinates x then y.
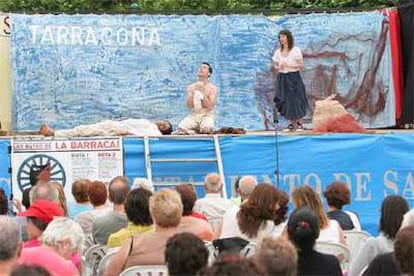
{"type": "Point", "coordinates": [185, 235]}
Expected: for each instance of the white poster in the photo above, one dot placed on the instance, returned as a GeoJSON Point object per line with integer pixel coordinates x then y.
{"type": "Point", "coordinates": [69, 159]}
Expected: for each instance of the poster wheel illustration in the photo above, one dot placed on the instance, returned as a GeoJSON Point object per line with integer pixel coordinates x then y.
{"type": "Point", "coordinates": [57, 173]}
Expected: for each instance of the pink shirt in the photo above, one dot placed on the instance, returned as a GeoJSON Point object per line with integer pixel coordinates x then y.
{"type": "Point", "coordinates": [31, 243]}
{"type": "Point", "coordinates": [76, 259]}
{"type": "Point", "coordinates": [45, 257]}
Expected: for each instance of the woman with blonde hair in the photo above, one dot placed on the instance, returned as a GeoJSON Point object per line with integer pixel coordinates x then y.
{"type": "Point", "coordinates": [330, 230]}
{"type": "Point", "coordinates": [148, 248]}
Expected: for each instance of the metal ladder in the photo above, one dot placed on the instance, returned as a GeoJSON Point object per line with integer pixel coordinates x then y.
{"type": "Point", "coordinates": [217, 159]}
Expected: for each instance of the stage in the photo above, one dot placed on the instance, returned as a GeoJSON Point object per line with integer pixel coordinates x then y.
{"type": "Point", "coordinates": [376, 164]}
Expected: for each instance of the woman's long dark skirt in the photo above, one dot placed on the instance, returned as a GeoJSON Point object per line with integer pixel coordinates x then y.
{"type": "Point", "coordinates": [290, 96]}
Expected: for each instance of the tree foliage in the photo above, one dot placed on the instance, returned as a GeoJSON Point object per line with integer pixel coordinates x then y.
{"type": "Point", "coordinates": [184, 6]}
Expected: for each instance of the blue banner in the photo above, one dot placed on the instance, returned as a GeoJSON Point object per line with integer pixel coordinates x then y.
{"type": "Point", "coordinates": [71, 69]}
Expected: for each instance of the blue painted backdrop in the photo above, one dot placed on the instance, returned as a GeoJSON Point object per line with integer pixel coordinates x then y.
{"type": "Point", "coordinates": [73, 69]}
{"type": "Point", "coordinates": [373, 165]}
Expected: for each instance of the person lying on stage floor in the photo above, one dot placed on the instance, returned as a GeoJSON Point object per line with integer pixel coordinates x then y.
{"type": "Point", "coordinates": [130, 126]}
{"type": "Point", "coordinates": [201, 100]}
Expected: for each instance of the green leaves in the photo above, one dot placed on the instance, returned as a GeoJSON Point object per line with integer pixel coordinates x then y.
{"type": "Point", "coordinates": [182, 6]}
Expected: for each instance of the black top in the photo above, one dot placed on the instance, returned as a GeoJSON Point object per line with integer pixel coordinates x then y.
{"type": "Point", "coordinates": [315, 263]}
{"type": "Point", "coordinates": [382, 265]}
{"type": "Point", "coordinates": [342, 218]}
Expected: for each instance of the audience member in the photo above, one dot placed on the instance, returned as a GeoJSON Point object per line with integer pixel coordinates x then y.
{"type": "Point", "coordinates": [80, 194]}
{"type": "Point", "coordinates": [255, 218]}
{"type": "Point", "coordinates": [337, 195]}
{"type": "Point", "coordinates": [399, 262]}
{"type": "Point", "coordinates": [277, 256]}
{"type": "Point", "coordinates": [244, 188]}
{"type": "Point", "coordinates": [393, 209]}
{"type": "Point", "coordinates": [97, 195]}
{"type": "Point", "coordinates": [40, 213]}
{"type": "Point", "coordinates": [148, 248]}
{"type": "Point", "coordinates": [60, 241]}
{"type": "Point", "coordinates": [185, 255]}
{"type": "Point", "coordinates": [138, 213]}
{"type": "Point", "coordinates": [303, 230]}
{"type": "Point", "coordinates": [329, 230]}
{"type": "Point", "coordinates": [213, 205]}
{"type": "Point", "coordinates": [111, 222]}
{"type": "Point", "coordinates": [4, 203]}
{"type": "Point", "coordinates": [30, 270]}
{"type": "Point", "coordinates": [233, 265]}
{"type": "Point", "coordinates": [61, 198]}
{"type": "Point", "coordinates": [281, 213]}
{"type": "Point", "coordinates": [189, 223]}
{"type": "Point", "coordinates": [10, 245]}
{"type": "Point", "coordinates": [45, 191]}
{"type": "Point", "coordinates": [404, 250]}
{"type": "Point", "coordinates": [38, 174]}
{"type": "Point", "coordinates": [236, 199]}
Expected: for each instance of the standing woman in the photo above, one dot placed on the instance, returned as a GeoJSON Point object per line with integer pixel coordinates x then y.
{"type": "Point", "coordinates": [290, 95]}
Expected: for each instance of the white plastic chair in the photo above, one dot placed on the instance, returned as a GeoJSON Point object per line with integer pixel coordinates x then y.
{"type": "Point", "coordinates": [355, 240]}
{"type": "Point", "coordinates": [212, 252]}
{"type": "Point", "coordinates": [340, 251]}
{"type": "Point", "coordinates": [92, 258]}
{"type": "Point", "coordinates": [245, 252]}
{"type": "Point", "coordinates": [89, 242]}
{"type": "Point", "coordinates": [103, 264]}
{"type": "Point", "coordinates": [145, 270]}
{"type": "Point", "coordinates": [248, 250]}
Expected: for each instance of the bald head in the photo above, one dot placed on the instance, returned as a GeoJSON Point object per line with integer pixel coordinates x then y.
{"type": "Point", "coordinates": [212, 183]}
{"type": "Point", "coordinates": [118, 190]}
{"type": "Point", "coordinates": [246, 186]}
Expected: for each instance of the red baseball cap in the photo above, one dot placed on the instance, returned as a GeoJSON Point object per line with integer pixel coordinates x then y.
{"type": "Point", "coordinates": [43, 210]}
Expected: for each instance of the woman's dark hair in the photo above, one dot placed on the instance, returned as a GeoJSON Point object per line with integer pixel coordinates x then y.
{"type": "Point", "coordinates": [303, 228]}
{"type": "Point", "coordinates": [404, 250]}
{"type": "Point", "coordinates": [185, 254]}
{"type": "Point", "coordinates": [26, 197]}
{"type": "Point", "coordinates": [4, 203]}
{"type": "Point", "coordinates": [260, 207]}
{"type": "Point", "coordinates": [289, 36]}
{"type": "Point", "coordinates": [30, 270]}
{"type": "Point", "coordinates": [393, 209]}
{"type": "Point", "coordinates": [234, 265]}
{"type": "Point", "coordinates": [41, 225]}
{"type": "Point", "coordinates": [281, 213]}
{"type": "Point", "coordinates": [137, 206]}
{"type": "Point", "coordinates": [188, 198]}
{"type": "Point", "coordinates": [337, 194]}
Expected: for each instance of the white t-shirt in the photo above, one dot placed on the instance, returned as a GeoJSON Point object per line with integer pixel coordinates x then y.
{"type": "Point", "coordinates": [213, 206]}
{"type": "Point", "coordinates": [292, 57]}
{"type": "Point", "coordinates": [230, 227]}
{"type": "Point", "coordinates": [330, 233]}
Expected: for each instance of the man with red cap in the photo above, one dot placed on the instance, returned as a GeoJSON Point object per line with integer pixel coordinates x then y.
{"type": "Point", "coordinates": [39, 215]}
